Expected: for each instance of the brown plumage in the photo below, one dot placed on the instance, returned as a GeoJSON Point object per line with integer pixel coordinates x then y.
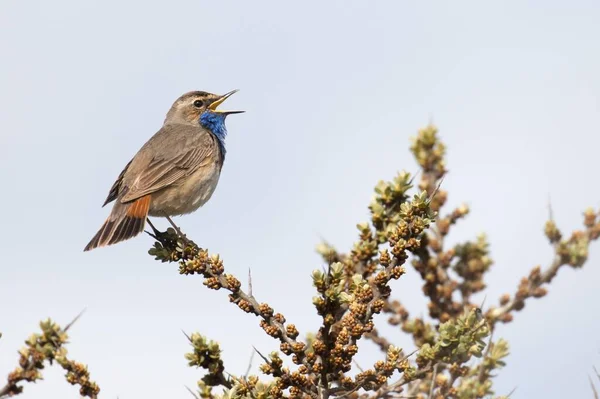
{"type": "Point", "coordinates": [174, 173]}
{"type": "Point", "coordinates": [125, 221]}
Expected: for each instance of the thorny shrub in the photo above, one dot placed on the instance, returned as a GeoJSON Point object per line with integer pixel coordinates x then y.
{"type": "Point", "coordinates": [408, 226]}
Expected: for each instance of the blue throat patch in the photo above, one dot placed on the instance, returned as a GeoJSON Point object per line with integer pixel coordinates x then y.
{"type": "Point", "coordinates": [215, 122]}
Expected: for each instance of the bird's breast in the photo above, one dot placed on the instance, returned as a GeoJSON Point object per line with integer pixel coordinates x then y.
{"type": "Point", "coordinates": [188, 194]}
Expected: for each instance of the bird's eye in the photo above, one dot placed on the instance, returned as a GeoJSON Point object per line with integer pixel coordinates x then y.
{"type": "Point", "coordinates": [198, 103]}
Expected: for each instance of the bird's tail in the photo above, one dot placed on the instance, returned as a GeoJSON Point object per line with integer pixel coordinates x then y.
{"type": "Point", "coordinates": [124, 222]}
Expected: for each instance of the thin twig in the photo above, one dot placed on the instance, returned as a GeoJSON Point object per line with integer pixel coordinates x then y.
{"type": "Point", "coordinates": [381, 392]}
{"type": "Point", "coordinates": [546, 277]}
{"type": "Point", "coordinates": [238, 295]}
{"type": "Point", "coordinates": [75, 319]}
{"type": "Point", "coordinates": [432, 386]}
{"type": "Point", "coordinates": [377, 339]}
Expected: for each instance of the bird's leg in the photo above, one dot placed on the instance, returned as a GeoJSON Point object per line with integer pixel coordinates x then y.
{"type": "Point", "coordinates": [174, 225]}
{"type": "Point", "coordinates": [156, 234]}
{"type": "Point", "coordinates": [181, 235]}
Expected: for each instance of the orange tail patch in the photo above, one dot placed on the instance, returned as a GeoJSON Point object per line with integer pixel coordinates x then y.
{"type": "Point", "coordinates": [139, 209]}
{"type": "Point", "coordinates": [125, 221]}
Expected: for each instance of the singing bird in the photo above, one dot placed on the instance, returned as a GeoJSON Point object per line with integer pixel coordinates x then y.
{"type": "Point", "coordinates": [174, 173]}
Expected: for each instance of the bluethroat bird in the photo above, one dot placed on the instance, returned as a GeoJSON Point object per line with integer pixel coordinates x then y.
{"type": "Point", "coordinates": [174, 173]}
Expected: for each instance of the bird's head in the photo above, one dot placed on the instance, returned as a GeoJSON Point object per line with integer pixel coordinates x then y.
{"type": "Point", "coordinates": [191, 107]}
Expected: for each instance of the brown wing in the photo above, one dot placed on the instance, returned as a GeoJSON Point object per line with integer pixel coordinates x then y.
{"type": "Point", "coordinates": [172, 153]}
{"type": "Point", "coordinates": [162, 172]}
{"type": "Point", "coordinates": [115, 190]}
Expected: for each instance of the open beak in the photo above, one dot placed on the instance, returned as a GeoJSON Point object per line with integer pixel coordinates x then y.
{"type": "Point", "coordinates": [213, 106]}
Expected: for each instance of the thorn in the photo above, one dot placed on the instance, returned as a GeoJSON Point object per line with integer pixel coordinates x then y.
{"type": "Point", "coordinates": [478, 314]}
{"type": "Point", "coordinates": [249, 282]}
{"type": "Point", "coordinates": [192, 392]}
{"type": "Point", "coordinates": [325, 242]}
{"type": "Point", "coordinates": [249, 364]}
{"type": "Point", "coordinates": [593, 387]}
{"type": "Point", "coordinates": [414, 176]}
{"type": "Point", "coordinates": [74, 320]}
{"type": "Point", "coordinates": [511, 392]}
{"type": "Point", "coordinates": [358, 366]}
{"type": "Point", "coordinates": [485, 355]}
{"type": "Point", "coordinates": [550, 212]}
{"type": "Point", "coordinates": [436, 188]}
{"type": "Point", "coordinates": [410, 354]}
{"type": "Point", "coordinates": [229, 374]}
{"type": "Point", "coordinates": [187, 336]}
{"type": "Point", "coordinates": [432, 386]}
{"type": "Point", "coordinates": [482, 302]}
{"type": "Point", "coordinates": [322, 239]}
{"type": "Point", "coordinates": [261, 355]}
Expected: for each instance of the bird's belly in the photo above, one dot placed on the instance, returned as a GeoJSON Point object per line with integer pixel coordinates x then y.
{"type": "Point", "coordinates": [187, 196]}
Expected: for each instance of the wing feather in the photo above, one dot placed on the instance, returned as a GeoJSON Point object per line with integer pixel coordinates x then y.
{"type": "Point", "coordinates": [167, 168]}
{"type": "Point", "coordinates": [115, 190]}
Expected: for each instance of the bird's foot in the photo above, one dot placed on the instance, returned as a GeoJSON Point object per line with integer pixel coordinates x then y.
{"type": "Point", "coordinates": [182, 236]}
{"type": "Point", "coordinates": [158, 235]}
{"type": "Point", "coordinates": [171, 238]}
{"type": "Point", "coordinates": [170, 246]}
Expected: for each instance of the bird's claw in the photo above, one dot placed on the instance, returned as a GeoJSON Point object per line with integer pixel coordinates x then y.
{"type": "Point", "coordinates": [171, 237]}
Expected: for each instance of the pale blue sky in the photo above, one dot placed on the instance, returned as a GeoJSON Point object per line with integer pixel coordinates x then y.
{"type": "Point", "coordinates": [333, 91]}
